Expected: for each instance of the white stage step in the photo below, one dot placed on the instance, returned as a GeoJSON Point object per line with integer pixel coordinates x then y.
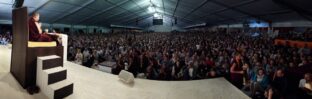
{"type": "Point", "coordinates": [49, 57]}
{"type": "Point", "coordinates": [51, 77]}
{"type": "Point", "coordinates": [47, 62]}
{"type": "Point", "coordinates": [55, 74]}
{"type": "Point", "coordinates": [60, 89]}
{"type": "Point", "coordinates": [54, 70]}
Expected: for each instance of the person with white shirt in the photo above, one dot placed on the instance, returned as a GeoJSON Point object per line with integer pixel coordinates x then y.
{"type": "Point", "coordinates": [303, 62]}
{"type": "Point", "coordinates": [78, 57]}
{"type": "Point", "coordinates": [305, 85]}
{"type": "Point", "coordinates": [189, 72]}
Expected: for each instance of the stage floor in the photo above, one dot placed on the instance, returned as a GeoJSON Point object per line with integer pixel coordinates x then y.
{"type": "Point", "coordinates": [95, 84]}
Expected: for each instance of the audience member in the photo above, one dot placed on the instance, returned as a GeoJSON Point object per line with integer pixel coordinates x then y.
{"type": "Point", "coordinates": [305, 85]}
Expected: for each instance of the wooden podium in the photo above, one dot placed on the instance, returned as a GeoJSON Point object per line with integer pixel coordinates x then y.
{"type": "Point", "coordinates": [24, 58]}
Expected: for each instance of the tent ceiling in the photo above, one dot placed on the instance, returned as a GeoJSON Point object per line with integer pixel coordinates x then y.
{"type": "Point", "coordinates": [187, 12]}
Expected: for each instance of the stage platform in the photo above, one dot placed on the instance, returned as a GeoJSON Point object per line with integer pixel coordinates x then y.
{"type": "Point", "coordinates": [95, 84]}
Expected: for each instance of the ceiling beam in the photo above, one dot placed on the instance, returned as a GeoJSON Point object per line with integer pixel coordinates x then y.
{"type": "Point", "coordinates": [229, 18]}
{"type": "Point", "coordinates": [195, 9]}
{"type": "Point", "coordinates": [143, 9]}
{"type": "Point", "coordinates": [125, 17]}
{"type": "Point", "coordinates": [301, 12]}
{"type": "Point", "coordinates": [276, 12]}
{"type": "Point", "coordinates": [228, 8]}
{"type": "Point", "coordinates": [270, 13]}
{"type": "Point", "coordinates": [167, 14]}
{"type": "Point", "coordinates": [151, 15]}
{"type": "Point", "coordinates": [163, 3]}
{"type": "Point", "coordinates": [179, 17]}
{"type": "Point", "coordinates": [240, 11]}
{"type": "Point", "coordinates": [147, 22]}
{"type": "Point", "coordinates": [128, 15]}
{"type": "Point", "coordinates": [105, 18]}
{"type": "Point", "coordinates": [76, 4]}
{"type": "Point", "coordinates": [41, 6]}
{"type": "Point", "coordinates": [128, 10]}
{"type": "Point", "coordinates": [175, 9]}
{"type": "Point", "coordinates": [102, 11]}
{"type": "Point", "coordinates": [131, 19]}
{"type": "Point", "coordinates": [74, 10]}
{"type": "Point", "coordinates": [292, 7]}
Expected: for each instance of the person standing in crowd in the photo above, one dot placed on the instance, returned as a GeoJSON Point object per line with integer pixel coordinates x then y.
{"type": "Point", "coordinates": [134, 63]}
{"type": "Point", "coordinates": [90, 60]}
{"type": "Point", "coordinates": [190, 72]}
{"type": "Point", "coordinates": [86, 56]}
{"type": "Point", "coordinates": [237, 71]}
{"type": "Point", "coordinates": [78, 57]}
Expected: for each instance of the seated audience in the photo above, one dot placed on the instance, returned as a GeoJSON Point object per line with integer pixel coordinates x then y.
{"type": "Point", "coordinates": [278, 87]}
{"type": "Point", "coordinates": [79, 57]}
{"type": "Point", "coordinates": [259, 82]}
{"type": "Point", "coordinates": [253, 63]}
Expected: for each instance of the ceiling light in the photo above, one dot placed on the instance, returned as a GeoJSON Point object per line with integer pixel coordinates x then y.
{"type": "Point", "coordinates": [156, 15]}
{"type": "Point", "coordinates": [151, 9]}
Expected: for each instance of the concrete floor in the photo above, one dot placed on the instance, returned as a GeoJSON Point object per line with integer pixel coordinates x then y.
{"type": "Point", "coordinates": [94, 84]}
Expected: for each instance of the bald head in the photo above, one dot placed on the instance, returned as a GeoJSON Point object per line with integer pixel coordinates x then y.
{"type": "Point", "coordinates": [36, 16]}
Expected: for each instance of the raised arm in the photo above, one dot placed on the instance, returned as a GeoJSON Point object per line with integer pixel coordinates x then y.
{"type": "Point", "coordinates": [39, 27]}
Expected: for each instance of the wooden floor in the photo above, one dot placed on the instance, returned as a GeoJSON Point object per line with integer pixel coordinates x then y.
{"type": "Point", "coordinates": [94, 84]}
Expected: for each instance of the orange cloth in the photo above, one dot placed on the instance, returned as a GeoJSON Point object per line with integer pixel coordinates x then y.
{"type": "Point", "coordinates": [34, 34]}
{"type": "Point", "coordinates": [298, 44]}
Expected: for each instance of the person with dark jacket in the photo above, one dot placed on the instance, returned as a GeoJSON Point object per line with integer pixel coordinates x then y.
{"type": "Point", "coordinates": [278, 88]}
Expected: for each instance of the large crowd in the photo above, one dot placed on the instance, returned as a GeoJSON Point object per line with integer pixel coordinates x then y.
{"type": "Point", "coordinates": [253, 64]}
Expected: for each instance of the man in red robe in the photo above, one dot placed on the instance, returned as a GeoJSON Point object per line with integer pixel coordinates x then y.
{"type": "Point", "coordinates": [35, 31]}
